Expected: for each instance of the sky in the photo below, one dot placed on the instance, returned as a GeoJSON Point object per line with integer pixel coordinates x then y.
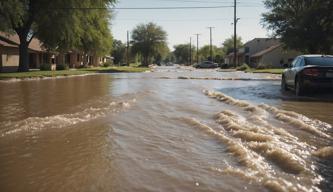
{"type": "Point", "coordinates": [181, 25]}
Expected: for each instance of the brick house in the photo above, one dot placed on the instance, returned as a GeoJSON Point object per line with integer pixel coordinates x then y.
{"type": "Point", "coordinates": [38, 55]}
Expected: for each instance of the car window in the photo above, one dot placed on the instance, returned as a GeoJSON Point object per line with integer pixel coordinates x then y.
{"type": "Point", "coordinates": [293, 65]}
{"type": "Point", "coordinates": [301, 63]}
{"type": "Point", "coordinates": [319, 61]}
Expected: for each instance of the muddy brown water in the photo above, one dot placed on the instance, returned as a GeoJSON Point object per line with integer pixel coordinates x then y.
{"type": "Point", "coordinates": [172, 130]}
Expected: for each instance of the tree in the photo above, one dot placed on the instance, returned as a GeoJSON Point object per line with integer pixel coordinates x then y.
{"type": "Point", "coordinates": [170, 58]}
{"type": "Point", "coordinates": [118, 51]}
{"type": "Point", "coordinates": [59, 24]}
{"type": "Point", "coordinates": [161, 54]}
{"type": "Point", "coordinates": [182, 53]}
{"type": "Point", "coordinates": [304, 25]}
{"type": "Point", "coordinates": [204, 52]}
{"type": "Point", "coordinates": [228, 44]}
{"type": "Point", "coordinates": [148, 40]}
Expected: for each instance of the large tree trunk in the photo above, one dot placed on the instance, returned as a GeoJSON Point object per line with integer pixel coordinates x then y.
{"type": "Point", "coordinates": [24, 57]}
{"type": "Point", "coordinates": [24, 54]}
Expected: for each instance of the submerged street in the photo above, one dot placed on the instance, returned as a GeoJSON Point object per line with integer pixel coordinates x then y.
{"type": "Point", "coordinates": [174, 129]}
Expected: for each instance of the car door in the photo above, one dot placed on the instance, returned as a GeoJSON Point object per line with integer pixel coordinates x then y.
{"type": "Point", "coordinates": [289, 73]}
{"type": "Point", "coordinates": [295, 70]}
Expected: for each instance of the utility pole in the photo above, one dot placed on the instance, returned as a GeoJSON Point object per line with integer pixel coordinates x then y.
{"type": "Point", "coordinates": [211, 43]}
{"type": "Point", "coordinates": [127, 50]}
{"type": "Point", "coordinates": [190, 50]}
{"type": "Point", "coordinates": [197, 47]}
{"type": "Point", "coordinates": [235, 33]}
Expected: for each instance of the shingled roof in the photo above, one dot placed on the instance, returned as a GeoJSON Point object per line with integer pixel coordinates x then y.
{"type": "Point", "coordinates": [12, 40]}
{"type": "Point", "coordinates": [263, 52]}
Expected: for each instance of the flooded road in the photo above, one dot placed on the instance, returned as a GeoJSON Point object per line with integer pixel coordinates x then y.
{"type": "Point", "coordinates": [175, 129]}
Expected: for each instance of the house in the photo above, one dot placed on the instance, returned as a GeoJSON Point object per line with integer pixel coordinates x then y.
{"type": "Point", "coordinates": [262, 51]}
{"type": "Point", "coordinates": [273, 57]}
{"type": "Point", "coordinates": [38, 55]}
{"type": "Point", "coordinates": [229, 59]}
{"type": "Point", "coordinates": [9, 51]}
{"type": "Point", "coordinates": [256, 45]}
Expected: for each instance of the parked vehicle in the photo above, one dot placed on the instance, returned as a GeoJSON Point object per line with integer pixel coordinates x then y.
{"type": "Point", "coordinates": [308, 72]}
{"type": "Point", "coordinates": [169, 64]}
{"type": "Point", "coordinates": [206, 64]}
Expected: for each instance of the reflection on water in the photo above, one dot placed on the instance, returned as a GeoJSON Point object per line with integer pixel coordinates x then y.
{"type": "Point", "coordinates": [158, 132]}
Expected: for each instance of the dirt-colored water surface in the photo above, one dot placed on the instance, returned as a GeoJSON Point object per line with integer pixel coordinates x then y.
{"type": "Point", "coordinates": [176, 129]}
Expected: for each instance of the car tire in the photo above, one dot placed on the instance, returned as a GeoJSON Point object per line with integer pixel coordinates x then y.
{"type": "Point", "coordinates": [284, 86]}
{"type": "Point", "coordinates": [299, 88]}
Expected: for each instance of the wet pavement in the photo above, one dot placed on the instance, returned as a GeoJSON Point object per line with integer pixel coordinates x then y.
{"type": "Point", "coordinates": [176, 129]}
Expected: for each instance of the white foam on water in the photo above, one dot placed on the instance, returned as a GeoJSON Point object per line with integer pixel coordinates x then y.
{"type": "Point", "coordinates": [257, 167]}
{"type": "Point", "coordinates": [288, 162]}
{"type": "Point", "coordinates": [63, 120]}
{"type": "Point", "coordinates": [324, 153]}
{"type": "Point", "coordinates": [293, 119]}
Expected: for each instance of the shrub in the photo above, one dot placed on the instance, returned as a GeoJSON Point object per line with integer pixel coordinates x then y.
{"type": "Point", "coordinates": [264, 66]}
{"type": "Point", "coordinates": [45, 67]}
{"type": "Point", "coordinates": [61, 67]}
{"type": "Point", "coordinates": [225, 66]}
{"type": "Point", "coordinates": [243, 67]}
{"type": "Point", "coordinates": [107, 64]}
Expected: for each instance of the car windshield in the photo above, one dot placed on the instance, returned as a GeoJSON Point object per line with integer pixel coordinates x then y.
{"type": "Point", "coordinates": [320, 61]}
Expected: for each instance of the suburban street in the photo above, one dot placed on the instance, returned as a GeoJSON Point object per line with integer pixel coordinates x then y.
{"type": "Point", "coordinates": [173, 129]}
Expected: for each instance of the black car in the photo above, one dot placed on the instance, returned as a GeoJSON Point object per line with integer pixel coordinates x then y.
{"type": "Point", "coordinates": [308, 72]}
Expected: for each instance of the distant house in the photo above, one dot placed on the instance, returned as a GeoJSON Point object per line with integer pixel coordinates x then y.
{"type": "Point", "coordinates": [229, 59]}
{"type": "Point", "coordinates": [38, 55]}
{"type": "Point", "coordinates": [263, 51]}
{"type": "Point", "coordinates": [9, 51]}
{"type": "Point", "coordinates": [274, 56]}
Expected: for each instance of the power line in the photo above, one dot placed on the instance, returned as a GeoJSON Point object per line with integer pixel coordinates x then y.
{"type": "Point", "coordinates": [145, 8]}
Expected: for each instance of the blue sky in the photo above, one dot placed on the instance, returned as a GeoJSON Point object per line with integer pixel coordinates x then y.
{"type": "Point", "coordinates": [183, 24]}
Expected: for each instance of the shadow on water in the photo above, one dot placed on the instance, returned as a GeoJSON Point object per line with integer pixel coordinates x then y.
{"type": "Point", "coordinates": [326, 171]}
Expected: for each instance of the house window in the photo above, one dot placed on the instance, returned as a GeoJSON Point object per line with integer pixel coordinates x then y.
{"type": "Point", "coordinates": [78, 57]}
{"type": "Point", "coordinates": [45, 59]}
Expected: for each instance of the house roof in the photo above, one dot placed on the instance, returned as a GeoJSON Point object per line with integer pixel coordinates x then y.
{"type": "Point", "coordinates": [12, 40]}
{"type": "Point", "coordinates": [7, 44]}
{"type": "Point", "coordinates": [265, 51]}
{"type": "Point", "coordinates": [238, 54]}
{"type": "Point", "coordinates": [261, 39]}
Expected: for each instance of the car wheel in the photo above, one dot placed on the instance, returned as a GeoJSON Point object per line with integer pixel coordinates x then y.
{"type": "Point", "coordinates": [284, 86]}
{"type": "Point", "coordinates": [299, 88]}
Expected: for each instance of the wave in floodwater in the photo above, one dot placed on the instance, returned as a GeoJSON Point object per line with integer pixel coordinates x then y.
{"type": "Point", "coordinates": [63, 120]}
{"type": "Point", "coordinates": [294, 119]}
{"type": "Point", "coordinates": [227, 79]}
{"type": "Point", "coordinates": [324, 153]}
{"type": "Point", "coordinates": [268, 153]}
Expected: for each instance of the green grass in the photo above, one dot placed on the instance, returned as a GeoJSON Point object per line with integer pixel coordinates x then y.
{"type": "Point", "coordinates": [41, 74]}
{"type": "Point", "coordinates": [272, 71]}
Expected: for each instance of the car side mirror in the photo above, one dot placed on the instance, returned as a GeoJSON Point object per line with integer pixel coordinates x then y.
{"type": "Point", "coordinates": [286, 65]}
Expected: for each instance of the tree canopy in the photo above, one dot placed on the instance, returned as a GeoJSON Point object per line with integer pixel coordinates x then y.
{"type": "Point", "coordinates": [59, 24]}
{"type": "Point", "coordinates": [228, 44]}
{"type": "Point", "coordinates": [304, 25]}
{"type": "Point", "coordinates": [149, 40]}
{"type": "Point", "coordinates": [182, 53]}
{"type": "Point", "coordinates": [118, 52]}
{"type": "Point", "coordinates": [204, 52]}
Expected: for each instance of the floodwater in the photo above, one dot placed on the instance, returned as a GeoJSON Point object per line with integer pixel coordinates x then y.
{"type": "Point", "coordinates": [175, 129]}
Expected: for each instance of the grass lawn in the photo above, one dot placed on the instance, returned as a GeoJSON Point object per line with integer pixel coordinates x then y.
{"type": "Point", "coordinates": [41, 74]}
{"type": "Point", "coordinates": [272, 71]}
